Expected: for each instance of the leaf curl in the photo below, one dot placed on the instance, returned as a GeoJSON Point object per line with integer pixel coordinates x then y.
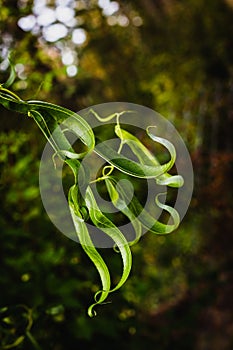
{"type": "Point", "coordinates": [89, 248]}
{"type": "Point", "coordinates": [145, 157]}
{"type": "Point", "coordinates": [120, 204]}
{"type": "Point", "coordinates": [107, 226]}
{"type": "Point", "coordinates": [139, 213]}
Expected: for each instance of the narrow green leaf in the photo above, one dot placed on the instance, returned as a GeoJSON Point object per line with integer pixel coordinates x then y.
{"type": "Point", "coordinates": [137, 147]}
{"type": "Point", "coordinates": [107, 226]}
{"type": "Point", "coordinates": [88, 247]}
{"type": "Point", "coordinates": [145, 157]}
{"type": "Point", "coordinates": [139, 213]}
{"type": "Point", "coordinates": [128, 166]}
{"type": "Point", "coordinates": [11, 101]}
{"type": "Point", "coordinates": [41, 123]}
{"type": "Point", "coordinates": [120, 204]}
{"type": "Point", "coordinates": [70, 119]}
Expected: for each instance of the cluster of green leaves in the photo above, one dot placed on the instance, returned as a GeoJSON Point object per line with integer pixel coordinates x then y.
{"type": "Point", "coordinates": [49, 117]}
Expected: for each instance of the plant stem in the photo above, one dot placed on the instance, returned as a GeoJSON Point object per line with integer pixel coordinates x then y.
{"type": "Point", "coordinates": [33, 341]}
{"type": "Point", "coordinates": [10, 93]}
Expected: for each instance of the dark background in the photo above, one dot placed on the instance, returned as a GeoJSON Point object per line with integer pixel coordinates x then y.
{"type": "Point", "coordinates": [175, 57]}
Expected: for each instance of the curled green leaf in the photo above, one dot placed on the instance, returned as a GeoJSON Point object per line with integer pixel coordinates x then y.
{"type": "Point", "coordinates": [138, 212]}
{"type": "Point", "coordinates": [107, 226]}
{"type": "Point", "coordinates": [145, 157]}
{"type": "Point", "coordinates": [87, 245]}
{"type": "Point", "coordinates": [120, 203]}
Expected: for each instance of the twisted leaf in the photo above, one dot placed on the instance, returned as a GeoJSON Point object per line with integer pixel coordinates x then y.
{"type": "Point", "coordinates": [89, 248]}
{"type": "Point", "coordinates": [145, 157]}
{"type": "Point", "coordinates": [107, 226]}
{"type": "Point", "coordinates": [138, 213]}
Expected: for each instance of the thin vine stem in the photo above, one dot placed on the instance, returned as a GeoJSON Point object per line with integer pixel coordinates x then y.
{"type": "Point", "coordinates": [10, 93]}
{"type": "Point", "coordinates": [33, 341]}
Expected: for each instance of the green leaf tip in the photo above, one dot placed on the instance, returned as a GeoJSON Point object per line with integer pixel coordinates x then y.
{"type": "Point", "coordinates": [92, 313]}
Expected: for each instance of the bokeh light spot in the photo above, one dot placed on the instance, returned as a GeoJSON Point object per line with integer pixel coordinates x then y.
{"type": "Point", "coordinates": [71, 70]}
{"type": "Point", "coordinates": [27, 23]}
{"type": "Point", "coordinates": [79, 36]}
{"type": "Point", "coordinates": [55, 32]}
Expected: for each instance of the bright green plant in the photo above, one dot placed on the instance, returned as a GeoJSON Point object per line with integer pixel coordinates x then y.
{"type": "Point", "coordinates": [84, 207]}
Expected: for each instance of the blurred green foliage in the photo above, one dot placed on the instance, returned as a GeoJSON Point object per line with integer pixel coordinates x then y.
{"type": "Point", "coordinates": [172, 56]}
